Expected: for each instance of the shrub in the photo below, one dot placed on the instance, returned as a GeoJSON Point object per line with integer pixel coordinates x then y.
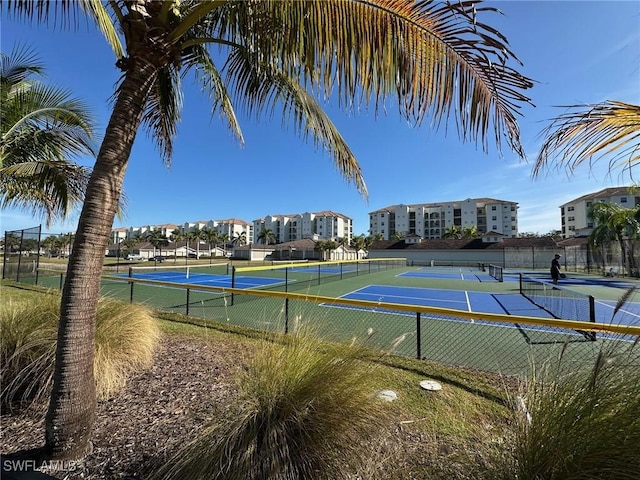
{"type": "Point", "coordinates": [307, 411]}
{"type": "Point", "coordinates": [582, 424]}
{"type": "Point", "coordinates": [126, 338]}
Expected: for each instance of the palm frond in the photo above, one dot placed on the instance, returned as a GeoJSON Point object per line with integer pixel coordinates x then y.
{"type": "Point", "coordinates": [212, 82]}
{"type": "Point", "coordinates": [51, 186]}
{"type": "Point", "coordinates": [263, 88]}
{"type": "Point", "coordinates": [163, 110]}
{"type": "Point", "coordinates": [589, 133]}
{"type": "Point", "coordinates": [66, 14]}
{"type": "Point", "coordinates": [437, 59]}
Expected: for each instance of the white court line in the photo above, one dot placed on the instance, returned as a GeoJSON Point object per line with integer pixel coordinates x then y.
{"type": "Point", "coordinates": [621, 310]}
{"type": "Point", "coordinates": [466, 295]}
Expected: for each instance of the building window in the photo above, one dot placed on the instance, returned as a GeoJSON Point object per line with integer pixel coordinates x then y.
{"type": "Point", "coordinates": [571, 219]}
{"type": "Point", "coordinates": [623, 199]}
{"type": "Point", "coordinates": [493, 207]}
{"type": "Point", "coordinates": [494, 218]}
{"type": "Point", "coordinates": [570, 209]}
{"type": "Point", "coordinates": [494, 227]}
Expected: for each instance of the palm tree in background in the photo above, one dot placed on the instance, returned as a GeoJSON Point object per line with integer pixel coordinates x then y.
{"type": "Point", "coordinates": [471, 232]}
{"type": "Point", "coordinates": [210, 236]}
{"type": "Point", "coordinates": [196, 236]}
{"type": "Point", "coordinates": [42, 129]}
{"type": "Point", "coordinates": [175, 236]}
{"type": "Point", "coordinates": [158, 239]}
{"type": "Point", "coordinates": [438, 60]}
{"type": "Point", "coordinates": [589, 133]}
{"type": "Point", "coordinates": [266, 236]}
{"type": "Point", "coordinates": [616, 224]}
{"type": "Point", "coordinates": [454, 231]}
{"type": "Point", "coordinates": [239, 239]}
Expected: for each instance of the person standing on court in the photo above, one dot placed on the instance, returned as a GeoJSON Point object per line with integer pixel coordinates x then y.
{"type": "Point", "coordinates": [555, 268]}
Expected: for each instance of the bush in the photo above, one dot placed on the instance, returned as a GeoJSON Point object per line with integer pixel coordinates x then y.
{"type": "Point", "coordinates": [126, 338]}
{"type": "Point", "coordinates": [307, 411]}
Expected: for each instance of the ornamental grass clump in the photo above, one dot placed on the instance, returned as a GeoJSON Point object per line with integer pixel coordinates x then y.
{"type": "Point", "coordinates": [307, 410]}
{"type": "Point", "coordinates": [126, 338]}
{"type": "Point", "coordinates": [580, 425]}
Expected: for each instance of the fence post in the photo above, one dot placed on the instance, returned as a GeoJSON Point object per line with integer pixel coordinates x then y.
{"type": "Point", "coordinates": [286, 315]}
{"type": "Point", "coordinates": [419, 337]}
{"type": "Point", "coordinates": [188, 290]}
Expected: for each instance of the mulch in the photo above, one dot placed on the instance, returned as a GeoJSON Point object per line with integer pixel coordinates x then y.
{"type": "Point", "coordinates": [189, 384]}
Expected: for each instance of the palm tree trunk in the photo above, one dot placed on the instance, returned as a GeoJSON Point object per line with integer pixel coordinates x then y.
{"type": "Point", "coordinates": [71, 414]}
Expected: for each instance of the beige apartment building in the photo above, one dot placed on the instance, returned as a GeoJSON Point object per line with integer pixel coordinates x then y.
{"type": "Point", "coordinates": [574, 214]}
{"type": "Point", "coordinates": [432, 220]}
{"type": "Point", "coordinates": [324, 225]}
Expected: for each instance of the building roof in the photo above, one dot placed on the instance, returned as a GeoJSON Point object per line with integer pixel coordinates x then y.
{"type": "Point", "coordinates": [465, 244]}
{"type": "Point", "coordinates": [233, 220]}
{"type": "Point", "coordinates": [441, 204]}
{"type": "Point", "coordinates": [604, 193]}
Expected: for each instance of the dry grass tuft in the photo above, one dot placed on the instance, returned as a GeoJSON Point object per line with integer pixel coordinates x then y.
{"type": "Point", "coordinates": [307, 410]}
{"type": "Point", "coordinates": [126, 338]}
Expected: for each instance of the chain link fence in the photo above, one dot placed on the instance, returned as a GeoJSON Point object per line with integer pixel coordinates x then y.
{"type": "Point", "coordinates": [22, 255]}
{"type": "Point", "coordinates": [504, 344]}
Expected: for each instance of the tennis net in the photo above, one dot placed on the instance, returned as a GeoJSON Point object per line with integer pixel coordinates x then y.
{"type": "Point", "coordinates": [178, 271]}
{"type": "Point", "coordinates": [497, 272]}
{"type": "Point", "coordinates": [560, 302]}
{"type": "Point", "coordinates": [298, 276]}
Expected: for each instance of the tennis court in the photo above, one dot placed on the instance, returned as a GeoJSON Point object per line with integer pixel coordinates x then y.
{"type": "Point", "coordinates": [205, 275]}
{"type": "Point", "coordinates": [500, 303]}
{"type": "Point", "coordinates": [461, 274]}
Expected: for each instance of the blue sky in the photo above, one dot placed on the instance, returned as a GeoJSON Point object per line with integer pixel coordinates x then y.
{"type": "Point", "coordinates": [577, 52]}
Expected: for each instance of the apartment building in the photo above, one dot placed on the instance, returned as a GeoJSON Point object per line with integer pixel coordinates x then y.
{"type": "Point", "coordinates": [432, 220]}
{"type": "Point", "coordinates": [120, 234]}
{"type": "Point", "coordinates": [574, 214]}
{"type": "Point", "coordinates": [231, 227]}
{"type": "Point", "coordinates": [324, 225]}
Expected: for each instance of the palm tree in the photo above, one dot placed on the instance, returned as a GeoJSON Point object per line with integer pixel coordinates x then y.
{"type": "Point", "coordinates": [266, 236]}
{"type": "Point", "coordinates": [359, 242]}
{"type": "Point", "coordinates": [175, 236]}
{"type": "Point", "coordinates": [438, 60]}
{"type": "Point", "coordinates": [42, 129]}
{"type": "Point", "coordinates": [210, 236]}
{"type": "Point", "coordinates": [51, 244]}
{"type": "Point", "coordinates": [590, 132]}
{"type": "Point", "coordinates": [454, 231]}
{"type": "Point", "coordinates": [158, 239]}
{"type": "Point", "coordinates": [614, 223]}
{"type": "Point", "coordinates": [470, 232]}
{"type": "Point", "coordinates": [196, 235]}
{"type": "Point", "coordinates": [240, 238]}
{"type": "Point", "coordinates": [129, 244]}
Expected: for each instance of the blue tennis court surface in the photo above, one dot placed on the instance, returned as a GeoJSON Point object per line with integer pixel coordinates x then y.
{"type": "Point", "coordinates": [461, 275]}
{"type": "Point", "coordinates": [208, 279]}
{"type": "Point", "coordinates": [483, 302]}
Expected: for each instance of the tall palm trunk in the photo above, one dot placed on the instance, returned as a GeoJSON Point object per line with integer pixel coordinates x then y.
{"type": "Point", "coordinates": [71, 414]}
